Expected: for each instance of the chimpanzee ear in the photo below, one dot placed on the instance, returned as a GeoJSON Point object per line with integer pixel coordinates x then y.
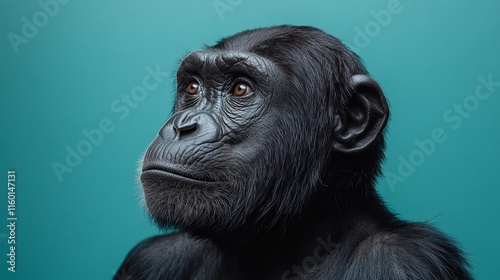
{"type": "Point", "coordinates": [364, 118]}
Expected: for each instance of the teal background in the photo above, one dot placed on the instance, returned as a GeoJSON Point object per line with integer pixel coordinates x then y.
{"type": "Point", "coordinates": [64, 80]}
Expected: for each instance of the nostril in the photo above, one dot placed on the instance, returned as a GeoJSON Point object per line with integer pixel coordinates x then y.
{"type": "Point", "coordinates": [198, 127]}
{"type": "Point", "coordinates": [186, 129]}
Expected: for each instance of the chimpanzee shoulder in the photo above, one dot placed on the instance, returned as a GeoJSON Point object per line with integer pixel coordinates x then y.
{"type": "Point", "coordinates": [174, 256]}
{"type": "Point", "coordinates": [413, 251]}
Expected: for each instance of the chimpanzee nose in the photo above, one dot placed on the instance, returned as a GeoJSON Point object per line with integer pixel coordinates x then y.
{"type": "Point", "coordinates": [188, 125]}
{"type": "Point", "coordinates": [185, 124]}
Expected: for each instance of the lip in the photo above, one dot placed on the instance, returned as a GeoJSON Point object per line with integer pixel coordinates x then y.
{"type": "Point", "coordinates": [172, 173]}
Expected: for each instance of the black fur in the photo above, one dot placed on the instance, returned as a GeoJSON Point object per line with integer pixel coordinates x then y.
{"type": "Point", "coordinates": [279, 184]}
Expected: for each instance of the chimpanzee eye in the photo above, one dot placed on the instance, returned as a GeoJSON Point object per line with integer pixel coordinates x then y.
{"type": "Point", "coordinates": [193, 88]}
{"type": "Point", "coordinates": [242, 89]}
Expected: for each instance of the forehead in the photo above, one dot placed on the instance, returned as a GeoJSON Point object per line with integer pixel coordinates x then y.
{"type": "Point", "coordinates": [211, 62]}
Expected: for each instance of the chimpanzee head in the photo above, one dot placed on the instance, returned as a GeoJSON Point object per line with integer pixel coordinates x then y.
{"type": "Point", "coordinates": [265, 122]}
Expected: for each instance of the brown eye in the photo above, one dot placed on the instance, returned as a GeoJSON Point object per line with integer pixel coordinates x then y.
{"type": "Point", "coordinates": [242, 89]}
{"type": "Point", "coordinates": [193, 88]}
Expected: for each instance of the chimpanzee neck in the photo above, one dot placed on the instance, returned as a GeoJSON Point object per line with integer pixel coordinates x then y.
{"type": "Point", "coordinates": [332, 218]}
{"type": "Point", "coordinates": [326, 224]}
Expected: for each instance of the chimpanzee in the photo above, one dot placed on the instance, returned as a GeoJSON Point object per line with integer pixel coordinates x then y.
{"type": "Point", "coordinates": [267, 168]}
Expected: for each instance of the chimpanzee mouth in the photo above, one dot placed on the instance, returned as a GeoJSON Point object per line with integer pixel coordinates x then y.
{"type": "Point", "coordinates": [159, 171]}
